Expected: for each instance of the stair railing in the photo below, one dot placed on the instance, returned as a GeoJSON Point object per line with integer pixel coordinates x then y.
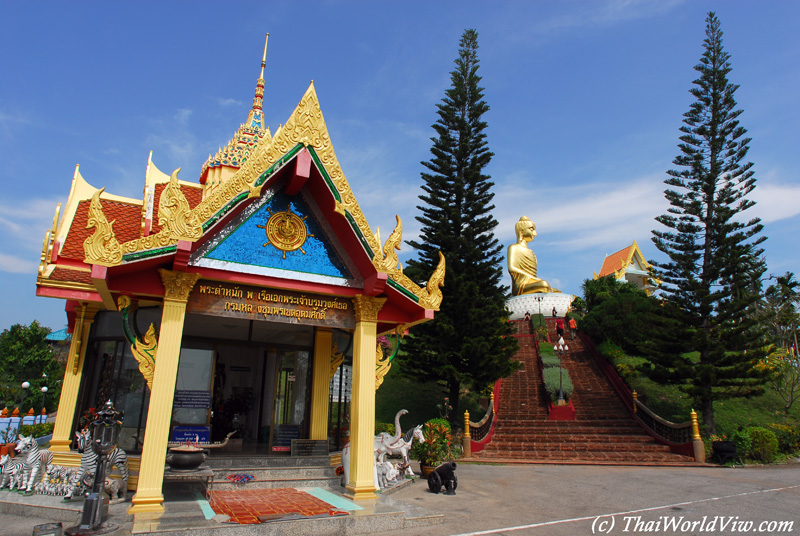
{"type": "Point", "coordinates": [682, 438]}
{"type": "Point", "coordinates": [478, 434]}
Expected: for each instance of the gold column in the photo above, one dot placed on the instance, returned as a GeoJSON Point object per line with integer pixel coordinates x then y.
{"type": "Point", "coordinates": [467, 440]}
{"type": "Point", "coordinates": [62, 432]}
{"type": "Point", "coordinates": [177, 286]}
{"type": "Point", "coordinates": [362, 410]}
{"type": "Point", "coordinates": [320, 383]}
{"type": "Point", "coordinates": [697, 442]}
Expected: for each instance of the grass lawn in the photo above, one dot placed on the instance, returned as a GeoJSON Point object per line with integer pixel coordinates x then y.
{"type": "Point", "coordinates": [730, 415]}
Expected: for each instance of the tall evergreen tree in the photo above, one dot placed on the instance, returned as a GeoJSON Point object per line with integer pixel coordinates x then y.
{"type": "Point", "coordinates": [468, 343]}
{"type": "Point", "coordinates": [714, 253]}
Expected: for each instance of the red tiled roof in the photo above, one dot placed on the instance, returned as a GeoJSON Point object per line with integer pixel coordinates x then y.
{"type": "Point", "coordinates": [65, 274]}
{"type": "Point", "coordinates": [127, 226]}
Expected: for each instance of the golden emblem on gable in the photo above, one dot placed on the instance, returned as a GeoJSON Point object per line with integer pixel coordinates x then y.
{"type": "Point", "coordinates": [286, 231]}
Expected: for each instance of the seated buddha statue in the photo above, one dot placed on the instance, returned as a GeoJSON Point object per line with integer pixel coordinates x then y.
{"type": "Point", "coordinates": [522, 262]}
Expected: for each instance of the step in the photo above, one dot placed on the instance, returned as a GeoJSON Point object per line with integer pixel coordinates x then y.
{"type": "Point", "coordinates": [279, 477]}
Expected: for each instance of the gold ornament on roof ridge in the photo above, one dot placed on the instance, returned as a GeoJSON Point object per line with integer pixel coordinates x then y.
{"type": "Point", "coordinates": [102, 246]}
{"type": "Point", "coordinates": [386, 259]}
{"type": "Point", "coordinates": [174, 213]}
{"type": "Point", "coordinates": [432, 295]}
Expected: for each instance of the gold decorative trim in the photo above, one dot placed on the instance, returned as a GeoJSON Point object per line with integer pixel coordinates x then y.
{"type": "Point", "coordinates": [177, 285]}
{"type": "Point", "coordinates": [337, 358]}
{"type": "Point", "coordinates": [174, 213]}
{"type": "Point", "coordinates": [367, 307]}
{"type": "Point", "coordinates": [102, 246]}
{"type": "Point", "coordinates": [145, 349]}
{"type": "Point", "coordinates": [386, 259]}
{"type": "Point", "coordinates": [382, 366]}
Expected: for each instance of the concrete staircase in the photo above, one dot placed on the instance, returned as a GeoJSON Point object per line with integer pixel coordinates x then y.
{"type": "Point", "coordinates": [603, 431]}
{"type": "Point", "coordinates": [276, 472]}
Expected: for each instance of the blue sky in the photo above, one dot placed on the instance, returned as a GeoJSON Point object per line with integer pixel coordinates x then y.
{"type": "Point", "coordinates": [586, 101]}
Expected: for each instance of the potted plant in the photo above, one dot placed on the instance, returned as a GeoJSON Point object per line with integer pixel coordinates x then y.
{"type": "Point", "coordinates": [437, 448]}
{"type": "Point", "coordinates": [723, 450]}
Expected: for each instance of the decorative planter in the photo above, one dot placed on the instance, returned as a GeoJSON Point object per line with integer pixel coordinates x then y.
{"type": "Point", "coordinates": [724, 451]}
{"type": "Point", "coordinates": [185, 458]}
{"type": "Point", "coordinates": [42, 441]}
{"type": "Point", "coordinates": [561, 413]}
{"type": "Point", "coordinates": [425, 470]}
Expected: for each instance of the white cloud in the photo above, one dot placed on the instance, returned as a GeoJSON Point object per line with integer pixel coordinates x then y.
{"type": "Point", "coordinates": [588, 215]}
{"type": "Point", "coordinates": [776, 201]}
{"type": "Point", "coordinates": [17, 265]}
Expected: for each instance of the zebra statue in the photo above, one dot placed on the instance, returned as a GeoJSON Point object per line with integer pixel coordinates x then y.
{"type": "Point", "coordinates": [11, 471]}
{"type": "Point", "coordinates": [116, 457]}
{"type": "Point", "coordinates": [34, 461]}
{"type": "Point", "coordinates": [58, 480]}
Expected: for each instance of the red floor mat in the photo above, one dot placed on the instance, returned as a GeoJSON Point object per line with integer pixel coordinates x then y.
{"type": "Point", "coordinates": [259, 505]}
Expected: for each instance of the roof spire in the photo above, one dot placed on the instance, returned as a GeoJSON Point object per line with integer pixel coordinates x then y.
{"type": "Point", "coordinates": [256, 116]}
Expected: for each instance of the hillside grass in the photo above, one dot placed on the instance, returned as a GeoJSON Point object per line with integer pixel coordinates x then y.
{"type": "Point", "coordinates": [730, 415]}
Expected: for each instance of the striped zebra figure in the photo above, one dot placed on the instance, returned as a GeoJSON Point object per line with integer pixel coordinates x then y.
{"type": "Point", "coordinates": [117, 458]}
{"type": "Point", "coordinates": [35, 460]}
{"type": "Point", "coordinates": [11, 471]}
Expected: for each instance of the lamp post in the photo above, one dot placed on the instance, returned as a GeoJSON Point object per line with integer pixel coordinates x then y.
{"type": "Point", "coordinates": [44, 394]}
{"type": "Point", "coordinates": [539, 299]}
{"type": "Point", "coordinates": [561, 349]}
{"type": "Point", "coordinates": [105, 433]}
{"type": "Point", "coordinates": [25, 386]}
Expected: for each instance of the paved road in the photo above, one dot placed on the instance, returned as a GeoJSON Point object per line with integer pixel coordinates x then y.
{"type": "Point", "coordinates": [569, 500]}
{"type": "Point", "coordinates": [563, 500]}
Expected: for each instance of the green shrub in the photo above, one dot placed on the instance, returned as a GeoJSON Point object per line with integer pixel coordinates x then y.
{"type": "Point", "coordinates": [763, 444]}
{"type": "Point", "coordinates": [742, 440]}
{"type": "Point", "coordinates": [788, 437]}
{"type": "Point", "coordinates": [550, 360]}
{"type": "Point", "coordinates": [610, 351]}
{"type": "Point", "coordinates": [756, 443]}
{"type": "Point", "coordinates": [37, 430]}
{"type": "Point", "coordinates": [541, 332]}
{"type": "Point", "coordinates": [553, 379]}
{"type": "Point", "coordinates": [386, 427]}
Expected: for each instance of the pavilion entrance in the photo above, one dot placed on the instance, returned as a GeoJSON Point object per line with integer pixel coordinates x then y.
{"type": "Point", "coordinates": [253, 378]}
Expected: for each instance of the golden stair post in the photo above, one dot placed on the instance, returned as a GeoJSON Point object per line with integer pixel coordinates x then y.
{"type": "Point", "coordinates": [697, 441]}
{"type": "Point", "coordinates": [68, 401]}
{"type": "Point", "coordinates": [362, 410]}
{"type": "Point", "coordinates": [320, 385]}
{"type": "Point", "coordinates": [177, 287]}
{"type": "Point", "coordinates": [467, 441]}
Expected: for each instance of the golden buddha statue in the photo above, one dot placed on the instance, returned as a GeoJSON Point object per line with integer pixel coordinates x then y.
{"type": "Point", "coordinates": [522, 262]}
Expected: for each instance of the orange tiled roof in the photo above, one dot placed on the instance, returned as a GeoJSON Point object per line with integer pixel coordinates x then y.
{"type": "Point", "coordinates": [127, 225]}
{"type": "Point", "coordinates": [615, 261]}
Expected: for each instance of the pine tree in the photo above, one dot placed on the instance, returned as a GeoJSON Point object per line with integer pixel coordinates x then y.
{"type": "Point", "coordinates": [468, 343]}
{"type": "Point", "coordinates": [714, 254]}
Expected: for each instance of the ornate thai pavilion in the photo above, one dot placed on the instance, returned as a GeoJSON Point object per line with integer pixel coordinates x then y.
{"type": "Point", "coordinates": [628, 264]}
{"type": "Point", "coordinates": [226, 304]}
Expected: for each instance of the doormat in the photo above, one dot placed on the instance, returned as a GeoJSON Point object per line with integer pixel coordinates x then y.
{"type": "Point", "coordinates": [262, 505]}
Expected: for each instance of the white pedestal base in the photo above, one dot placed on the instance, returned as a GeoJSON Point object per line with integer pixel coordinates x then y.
{"type": "Point", "coordinates": [518, 305]}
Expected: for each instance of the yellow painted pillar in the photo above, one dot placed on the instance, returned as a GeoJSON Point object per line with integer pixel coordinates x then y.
{"type": "Point", "coordinates": [362, 409]}
{"type": "Point", "coordinates": [70, 386]}
{"type": "Point", "coordinates": [320, 383]}
{"type": "Point", "coordinates": [177, 287]}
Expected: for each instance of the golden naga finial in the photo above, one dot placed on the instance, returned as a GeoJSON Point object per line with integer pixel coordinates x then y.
{"type": "Point", "coordinates": [102, 246]}
{"type": "Point", "coordinates": [175, 214]}
{"type": "Point", "coordinates": [387, 259]}
{"type": "Point", "coordinates": [433, 294]}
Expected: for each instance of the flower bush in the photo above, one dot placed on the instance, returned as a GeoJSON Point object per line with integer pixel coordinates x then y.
{"type": "Point", "coordinates": [439, 444]}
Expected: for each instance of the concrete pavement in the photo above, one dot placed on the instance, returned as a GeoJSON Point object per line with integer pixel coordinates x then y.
{"type": "Point", "coordinates": [556, 500]}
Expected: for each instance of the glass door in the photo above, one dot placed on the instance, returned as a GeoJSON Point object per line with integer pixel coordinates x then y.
{"type": "Point", "coordinates": [289, 410]}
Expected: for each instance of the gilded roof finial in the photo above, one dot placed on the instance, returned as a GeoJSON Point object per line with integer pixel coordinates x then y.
{"type": "Point", "coordinates": [256, 116]}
